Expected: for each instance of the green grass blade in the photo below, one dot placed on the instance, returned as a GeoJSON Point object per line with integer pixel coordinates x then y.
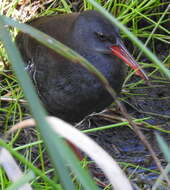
{"type": "Point", "coordinates": [132, 37]}
{"type": "Point", "coordinates": [54, 143]}
{"type": "Point", "coordinates": [61, 49]}
{"type": "Point", "coordinates": [23, 180]}
{"type": "Point", "coordinates": [28, 164]}
{"type": "Point", "coordinates": [37, 109]}
{"type": "Point", "coordinates": [164, 147]}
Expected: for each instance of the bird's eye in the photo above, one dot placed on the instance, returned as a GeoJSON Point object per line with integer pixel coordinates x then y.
{"type": "Point", "coordinates": [112, 39]}
{"type": "Point", "coordinates": [101, 36]}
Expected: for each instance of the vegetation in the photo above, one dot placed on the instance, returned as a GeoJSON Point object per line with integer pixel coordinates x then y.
{"type": "Point", "coordinates": [148, 20]}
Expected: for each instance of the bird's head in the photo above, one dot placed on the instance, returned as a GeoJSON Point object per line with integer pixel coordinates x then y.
{"type": "Point", "coordinates": [98, 34]}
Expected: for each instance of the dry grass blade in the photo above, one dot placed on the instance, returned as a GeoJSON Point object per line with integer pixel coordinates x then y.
{"type": "Point", "coordinates": [11, 168]}
{"type": "Point", "coordinates": [8, 99]}
{"type": "Point", "coordinates": [105, 162]}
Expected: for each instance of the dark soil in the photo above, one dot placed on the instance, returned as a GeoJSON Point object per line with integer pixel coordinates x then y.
{"type": "Point", "coordinates": [150, 100]}
{"type": "Point", "coordinates": [124, 145]}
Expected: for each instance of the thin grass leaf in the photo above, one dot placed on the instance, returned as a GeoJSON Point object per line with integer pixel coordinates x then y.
{"type": "Point", "coordinates": [29, 164]}
{"type": "Point", "coordinates": [62, 50]}
{"type": "Point", "coordinates": [91, 148]}
{"type": "Point", "coordinates": [164, 147]}
{"type": "Point", "coordinates": [19, 185]}
{"type": "Point", "coordinates": [132, 37]}
{"type": "Point", "coordinates": [160, 178]}
{"type": "Point", "coordinates": [113, 125]}
{"type": "Point", "coordinates": [166, 151]}
{"type": "Point", "coordinates": [57, 151]}
{"type": "Point", "coordinates": [14, 172]}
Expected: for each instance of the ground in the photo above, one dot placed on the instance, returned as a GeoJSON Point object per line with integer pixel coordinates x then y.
{"type": "Point", "coordinates": [141, 101]}
{"type": "Point", "coordinates": [122, 142]}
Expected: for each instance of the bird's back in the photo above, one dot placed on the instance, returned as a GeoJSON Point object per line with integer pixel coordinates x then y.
{"type": "Point", "coordinates": [66, 89]}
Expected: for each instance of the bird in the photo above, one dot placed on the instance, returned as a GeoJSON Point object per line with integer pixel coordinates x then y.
{"type": "Point", "coordinates": [67, 90]}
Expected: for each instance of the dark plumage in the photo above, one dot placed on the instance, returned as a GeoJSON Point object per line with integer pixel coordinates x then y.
{"type": "Point", "coordinates": [66, 89]}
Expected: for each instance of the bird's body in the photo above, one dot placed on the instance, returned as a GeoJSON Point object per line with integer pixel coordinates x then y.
{"type": "Point", "coordinates": [66, 89]}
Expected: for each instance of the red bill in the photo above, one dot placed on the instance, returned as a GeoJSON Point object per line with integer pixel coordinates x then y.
{"type": "Point", "coordinates": [121, 52]}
